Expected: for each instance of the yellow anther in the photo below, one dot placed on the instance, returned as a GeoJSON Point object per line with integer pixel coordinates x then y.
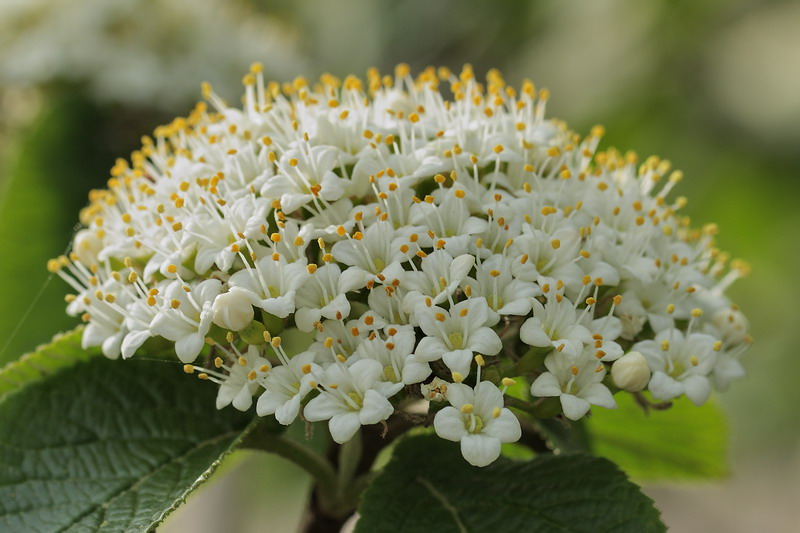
{"type": "Point", "coordinates": [467, 408]}
{"type": "Point", "coordinates": [275, 342]}
{"type": "Point", "coordinates": [717, 346]}
{"type": "Point", "coordinates": [172, 269]}
{"type": "Point", "coordinates": [458, 377]}
{"type": "Point", "coordinates": [440, 317]}
{"type": "Point", "coordinates": [665, 345]}
{"type": "Point", "coordinates": [175, 304]}
{"type": "Point", "coordinates": [189, 369]}
{"type": "Point", "coordinates": [556, 244]}
{"type": "Point", "coordinates": [697, 312]}
{"type": "Point", "coordinates": [693, 359]}
{"type": "Point", "coordinates": [480, 360]}
{"type": "Point", "coordinates": [311, 268]}
{"type": "Point", "coordinates": [573, 370]}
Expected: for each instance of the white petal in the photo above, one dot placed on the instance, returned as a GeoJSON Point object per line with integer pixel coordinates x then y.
{"type": "Point", "coordinates": [286, 413]}
{"type": "Point", "coordinates": [546, 385]}
{"type": "Point", "coordinates": [344, 426]}
{"type": "Point", "coordinates": [322, 407]}
{"type": "Point", "coordinates": [532, 333]}
{"type": "Point", "coordinates": [461, 266]}
{"type": "Point", "coordinates": [459, 394]}
{"type": "Point", "coordinates": [480, 450]}
{"type": "Point", "coordinates": [375, 408]}
{"type": "Point", "coordinates": [281, 307]}
{"type": "Point", "coordinates": [430, 349]}
{"type": "Point", "coordinates": [598, 394]}
{"type": "Point", "coordinates": [574, 407]}
{"type": "Point", "coordinates": [415, 371]}
{"type": "Point", "coordinates": [458, 361]}
{"type": "Point", "coordinates": [697, 389]}
{"type": "Point", "coordinates": [449, 424]}
{"type": "Point", "coordinates": [664, 387]}
{"type": "Point", "coordinates": [243, 399]}
{"type": "Point", "coordinates": [353, 278]}
{"type": "Point", "coordinates": [133, 341]}
{"type": "Point", "coordinates": [305, 318]}
{"type": "Point", "coordinates": [485, 341]}
{"type": "Point", "coordinates": [188, 347]}
{"type": "Point", "coordinates": [365, 373]}
{"type": "Point", "coordinates": [505, 427]}
{"type": "Point", "coordinates": [269, 402]}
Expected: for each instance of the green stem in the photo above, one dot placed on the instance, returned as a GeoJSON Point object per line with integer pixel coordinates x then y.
{"type": "Point", "coordinates": [264, 439]}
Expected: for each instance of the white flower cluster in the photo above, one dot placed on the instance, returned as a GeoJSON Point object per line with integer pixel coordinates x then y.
{"type": "Point", "coordinates": [431, 248]}
{"type": "Point", "coordinates": [151, 54]}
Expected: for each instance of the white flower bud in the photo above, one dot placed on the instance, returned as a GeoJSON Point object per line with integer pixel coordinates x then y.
{"type": "Point", "coordinates": [86, 246]}
{"type": "Point", "coordinates": [232, 310]}
{"type": "Point", "coordinates": [731, 323]}
{"type": "Point", "coordinates": [630, 372]}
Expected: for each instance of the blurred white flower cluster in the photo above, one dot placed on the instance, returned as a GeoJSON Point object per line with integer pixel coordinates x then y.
{"type": "Point", "coordinates": [151, 53]}
{"type": "Point", "coordinates": [430, 238]}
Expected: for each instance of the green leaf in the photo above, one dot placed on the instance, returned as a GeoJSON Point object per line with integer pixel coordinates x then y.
{"type": "Point", "coordinates": [63, 351]}
{"type": "Point", "coordinates": [683, 442]}
{"type": "Point", "coordinates": [105, 446]}
{"type": "Point", "coordinates": [428, 486]}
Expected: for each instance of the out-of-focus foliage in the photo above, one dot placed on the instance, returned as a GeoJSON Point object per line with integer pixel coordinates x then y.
{"type": "Point", "coordinates": [151, 53]}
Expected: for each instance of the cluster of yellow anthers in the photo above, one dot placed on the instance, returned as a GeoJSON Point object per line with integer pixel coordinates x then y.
{"type": "Point", "coordinates": [430, 237]}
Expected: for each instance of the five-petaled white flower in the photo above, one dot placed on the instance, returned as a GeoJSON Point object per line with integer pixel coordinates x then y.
{"type": "Point", "coordinates": [477, 419]}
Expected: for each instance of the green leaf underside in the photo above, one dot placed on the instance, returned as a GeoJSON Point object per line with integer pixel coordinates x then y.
{"type": "Point", "coordinates": [427, 486]}
{"type": "Point", "coordinates": [63, 351]}
{"type": "Point", "coordinates": [683, 442]}
{"type": "Point", "coordinates": [108, 446]}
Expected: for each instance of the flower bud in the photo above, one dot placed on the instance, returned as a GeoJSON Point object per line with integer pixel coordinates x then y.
{"type": "Point", "coordinates": [630, 372]}
{"type": "Point", "coordinates": [232, 310]}
{"type": "Point", "coordinates": [731, 323]}
{"type": "Point", "coordinates": [86, 246]}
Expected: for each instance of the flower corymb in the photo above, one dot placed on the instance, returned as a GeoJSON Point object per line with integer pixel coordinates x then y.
{"type": "Point", "coordinates": [421, 241]}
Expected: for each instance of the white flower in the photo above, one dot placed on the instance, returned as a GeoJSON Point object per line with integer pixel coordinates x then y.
{"type": "Point", "coordinates": [576, 383]}
{"type": "Point", "coordinates": [477, 419]}
{"type": "Point", "coordinates": [556, 324]}
{"type": "Point", "coordinates": [455, 336]}
{"type": "Point", "coordinates": [321, 296]}
{"type": "Point", "coordinates": [271, 284]}
{"type": "Point", "coordinates": [351, 397]}
{"type": "Point", "coordinates": [394, 352]}
{"type": "Point", "coordinates": [505, 295]}
{"type": "Point", "coordinates": [305, 176]}
{"type": "Point", "coordinates": [438, 278]}
{"type": "Point", "coordinates": [285, 386]}
{"type": "Point", "coordinates": [186, 316]}
{"type": "Point", "coordinates": [680, 364]}
{"type": "Point", "coordinates": [242, 381]}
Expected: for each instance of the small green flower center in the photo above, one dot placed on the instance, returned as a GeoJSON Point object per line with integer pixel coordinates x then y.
{"type": "Point", "coordinates": [678, 368]}
{"type": "Point", "coordinates": [357, 399]}
{"type": "Point", "coordinates": [475, 425]}
{"type": "Point", "coordinates": [456, 340]}
{"type": "Point", "coordinates": [390, 374]}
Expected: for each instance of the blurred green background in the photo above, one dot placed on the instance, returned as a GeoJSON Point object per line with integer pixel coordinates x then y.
{"type": "Point", "coordinates": [713, 86]}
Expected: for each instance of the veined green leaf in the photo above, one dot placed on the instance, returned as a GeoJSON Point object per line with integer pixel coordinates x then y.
{"type": "Point", "coordinates": [428, 486]}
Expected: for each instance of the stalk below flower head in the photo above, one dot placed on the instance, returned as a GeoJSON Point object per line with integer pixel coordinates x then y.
{"type": "Point", "coordinates": [437, 238]}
